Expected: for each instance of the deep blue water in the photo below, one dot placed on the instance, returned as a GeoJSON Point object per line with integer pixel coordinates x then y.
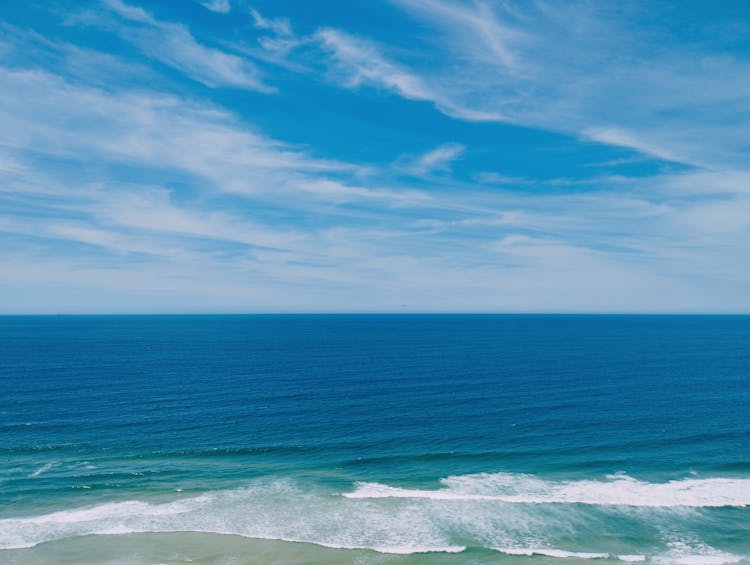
{"type": "Point", "coordinates": [571, 415]}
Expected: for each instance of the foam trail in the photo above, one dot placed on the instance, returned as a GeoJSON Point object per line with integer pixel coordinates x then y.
{"type": "Point", "coordinates": [615, 490]}
{"type": "Point", "coordinates": [551, 552]}
{"type": "Point", "coordinates": [42, 469]}
{"type": "Point", "coordinates": [400, 550]}
{"type": "Point", "coordinates": [707, 558]}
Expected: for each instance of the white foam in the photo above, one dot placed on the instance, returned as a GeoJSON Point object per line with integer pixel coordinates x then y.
{"type": "Point", "coordinates": [578, 554]}
{"type": "Point", "coordinates": [377, 490]}
{"type": "Point", "coordinates": [277, 511]}
{"type": "Point", "coordinates": [689, 551]}
{"type": "Point", "coordinates": [715, 558]}
{"type": "Point", "coordinates": [614, 490]}
{"type": "Point", "coordinates": [376, 517]}
{"type": "Point", "coordinates": [114, 510]}
{"type": "Point", "coordinates": [402, 550]}
{"type": "Point", "coordinates": [551, 552]}
{"type": "Point", "coordinates": [718, 559]}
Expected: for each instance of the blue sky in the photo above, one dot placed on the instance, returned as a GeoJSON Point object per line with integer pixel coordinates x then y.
{"type": "Point", "coordinates": [383, 156]}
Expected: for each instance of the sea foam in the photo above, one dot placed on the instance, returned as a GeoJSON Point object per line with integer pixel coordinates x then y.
{"type": "Point", "coordinates": [615, 490]}
{"type": "Point", "coordinates": [277, 510]}
{"type": "Point", "coordinates": [468, 511]}
{"type": "Point", "coordinates": [551, 552]}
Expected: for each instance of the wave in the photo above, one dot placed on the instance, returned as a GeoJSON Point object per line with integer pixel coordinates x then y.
{"type": "Point", "coordinates": [279, 510]}
{"type": "Point", "coordinates": [551, 552]}
{"type": "Point", "coordinates": [615, 490]}
{"type": "Point", "coordinates": [370, 518]}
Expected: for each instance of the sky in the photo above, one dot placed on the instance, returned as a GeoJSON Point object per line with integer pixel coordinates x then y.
{"type": "Point", "coordinates": [374, 156]}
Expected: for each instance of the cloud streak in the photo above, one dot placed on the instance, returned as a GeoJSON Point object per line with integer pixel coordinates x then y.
{"type": "Point", "coordinates": [172, 44]}
{"type": "Point", "coordinates": [219, 6]}
{"type": "Point", "coordinates": [435, 160]}
{"type": "Point", "coordinates": [540, 65]}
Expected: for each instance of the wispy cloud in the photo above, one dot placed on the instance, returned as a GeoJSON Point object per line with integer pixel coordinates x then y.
{"type": "Point", "coordinates": [624, 138]}
{"type": "Point", "coordinates": [172, 44]}
{"type": "Point", "coordinates": [492, 177]}
{"type": "Point", "coordinates": [360, 63]}
{"type": "Point", "coordinates": [478, 26]}
{"type": "Point", "coordinates": [280, 26]}
{"type": "Point", "coordinates": [540, 64]}
{"type": "Point", "coordinates": [146, 128]}
{"type": "Point", "coordinates": [277, 39]}
{"type": "Point", "coordinates": [164, 137]}
{"type": "Point", "coordinates": [435, 160]}
{"type": "Point", "coordinates": [220, 6]}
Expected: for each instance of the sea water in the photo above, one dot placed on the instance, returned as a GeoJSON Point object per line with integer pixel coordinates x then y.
{"type": "Point", "coordinates": [374, 439]}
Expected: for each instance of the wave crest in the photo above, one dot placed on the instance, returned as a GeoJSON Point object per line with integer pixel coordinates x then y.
{"type": "Point", "coordinates": [619, 490]}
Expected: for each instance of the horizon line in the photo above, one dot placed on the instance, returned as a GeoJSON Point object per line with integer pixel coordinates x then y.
{"type": "Point", "coordinates": [366, 313]}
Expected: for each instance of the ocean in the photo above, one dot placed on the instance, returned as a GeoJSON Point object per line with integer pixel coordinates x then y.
{"type": "Point", "coordinates": [519, 439]}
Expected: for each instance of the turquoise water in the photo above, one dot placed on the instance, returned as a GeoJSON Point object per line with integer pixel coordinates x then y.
{"type": "Point", "coordinates": [375, 439]}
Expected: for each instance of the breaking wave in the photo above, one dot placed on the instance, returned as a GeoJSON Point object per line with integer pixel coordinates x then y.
{"type": "Point", "coordinates": [615, 490]}
{"type": "Point", "coordinates": [518, 515]}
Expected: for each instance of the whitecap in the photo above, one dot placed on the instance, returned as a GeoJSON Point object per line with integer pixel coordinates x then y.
{"type": "Point", "coordinates": [551, 552]}
{"type": "Point", "coordinates": [614, 490]}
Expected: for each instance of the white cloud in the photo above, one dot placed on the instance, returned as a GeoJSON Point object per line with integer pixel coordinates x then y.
{"type": "Point", "coordinates": [360, 62]}
{"type": "Point", "coordinates": [706, 183]}
{"type": "Point", "coordinates": [277, 40]}
{"type": "Point", "coordinates": [492, 177]}
{"type": "Point", "coordinates": [280, 26]}
{"type": "Point", "coordinates": [438, 159]}
{"type": "Point", "coordinates": [441, 157]}
{"type": "Point", "coordinates": [133, 13]}
{"type": "Point", "coordinates": [335, 191]}
{"type": "Point", "coordinates": [220, 6]}
{"type": "Point", "coordinates": [148, 129]}
{"type": "Point", "coordinates": [172, 44]}
{"type": "Point", "coordinates": [168, 138]}
{"type": "Point", "coordinates": [153, 211]}
{"type": "Point", "coordinates": [629, 139]}
{"type": "Point", "coordinates": [476, 23]}
{"type": "Point", "coordinates": [579, 68]}
{"type": "Point", "coordinates": [357, 62]}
